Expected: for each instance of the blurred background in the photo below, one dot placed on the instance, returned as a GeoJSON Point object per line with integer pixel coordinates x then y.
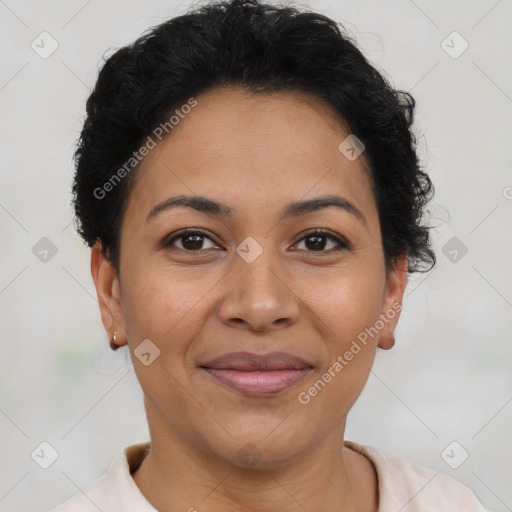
{"type": "Point", "coordinates": [441, 398]}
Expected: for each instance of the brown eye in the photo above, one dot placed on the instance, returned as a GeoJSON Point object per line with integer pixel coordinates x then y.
{"type": "Point", "coordinates": [316, 241]}
{"type": "Point", "coordinates": [191, 240]}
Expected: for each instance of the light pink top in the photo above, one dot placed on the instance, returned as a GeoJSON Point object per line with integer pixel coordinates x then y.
{"type": "Point", "coordinates": [403, 486]}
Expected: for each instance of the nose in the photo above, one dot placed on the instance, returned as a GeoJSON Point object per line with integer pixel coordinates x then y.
{"type": "Point", "coordinates": [259, 296]}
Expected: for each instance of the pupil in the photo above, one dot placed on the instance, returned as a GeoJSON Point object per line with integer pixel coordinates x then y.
{"type": "Point", "coordinates": [316, 237]}
{"type": "Point", "coordinates": [196, 245]}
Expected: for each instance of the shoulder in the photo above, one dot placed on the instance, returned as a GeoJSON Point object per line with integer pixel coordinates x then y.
{"type": "Point", "coordinates": [409, 487]}
{"type": "Point", "coordinates": [115, 490]}
{"type": "Point", "coordinates": [90, 499]}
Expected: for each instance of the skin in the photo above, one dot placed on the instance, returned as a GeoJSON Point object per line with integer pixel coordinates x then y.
{"type": "Point", "coordinates": [256, 154]}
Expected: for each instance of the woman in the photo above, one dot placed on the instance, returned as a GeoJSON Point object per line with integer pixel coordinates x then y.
{"type": "Point", "coordinates": [251, 192]}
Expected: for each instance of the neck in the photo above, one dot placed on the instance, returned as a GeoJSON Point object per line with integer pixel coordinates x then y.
{"type": "Point", "coordinates": [178, 476]}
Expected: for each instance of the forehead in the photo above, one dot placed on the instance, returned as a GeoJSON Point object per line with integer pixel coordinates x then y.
{"type": "Point", "coordinates": [260, 150]}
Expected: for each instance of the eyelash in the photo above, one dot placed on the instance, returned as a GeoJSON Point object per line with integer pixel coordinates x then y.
{"type": "Point", "coordinates": [341, 243]}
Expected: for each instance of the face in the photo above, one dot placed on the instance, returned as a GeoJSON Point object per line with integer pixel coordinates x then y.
{"type": "Point", "coordinates": [252, 277]}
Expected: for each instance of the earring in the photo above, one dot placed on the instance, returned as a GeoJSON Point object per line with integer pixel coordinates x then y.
{"type": "Point", "coordinates": [113, 342]}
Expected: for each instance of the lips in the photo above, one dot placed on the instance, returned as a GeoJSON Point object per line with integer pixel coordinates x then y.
{"type": "Point", "coordinates": [258, 375]}
{"type": "Point", "coordinates": [247, 362]}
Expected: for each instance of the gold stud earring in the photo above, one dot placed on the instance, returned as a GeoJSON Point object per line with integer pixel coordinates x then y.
{"type": "Point", "coordinates": [113, 342]}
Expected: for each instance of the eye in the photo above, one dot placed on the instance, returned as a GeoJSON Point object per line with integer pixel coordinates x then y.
{"type": "Point", "coordinates": [191, 240]}
{"type": "Point", "coordinates": [313, 240]}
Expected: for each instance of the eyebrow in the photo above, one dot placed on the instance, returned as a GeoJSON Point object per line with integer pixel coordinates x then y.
{"type": "Point", "coordinates": [295, 209]}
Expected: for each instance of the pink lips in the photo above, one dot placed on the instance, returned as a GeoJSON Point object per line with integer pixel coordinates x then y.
{"type": "Point", "coordinates": [253, 374]}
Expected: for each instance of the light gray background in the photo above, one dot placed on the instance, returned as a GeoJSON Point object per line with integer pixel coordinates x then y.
{"type": "Point", "coordinates": [448, 377]}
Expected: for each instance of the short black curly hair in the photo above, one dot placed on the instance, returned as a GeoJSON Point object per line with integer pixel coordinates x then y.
{"type": "Point", "coordinates": [262, 48]}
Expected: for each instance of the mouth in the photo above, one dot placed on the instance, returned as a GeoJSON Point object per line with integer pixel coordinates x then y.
{"type": "Point", "coordinates": [258, 375]}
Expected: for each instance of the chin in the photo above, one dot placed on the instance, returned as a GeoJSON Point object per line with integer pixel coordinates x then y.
{"type": "Point", "coordinates": [261, 448]}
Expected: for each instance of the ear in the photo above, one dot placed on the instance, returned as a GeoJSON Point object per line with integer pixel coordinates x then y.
{"type": "Point", "coordinates": [392, 306]}
{"type": "Point", "coordinates": [108, 291]}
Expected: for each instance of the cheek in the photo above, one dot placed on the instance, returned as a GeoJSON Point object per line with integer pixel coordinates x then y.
{"type": "Point", "coordinates": [344, 312]}
{"type": "Point", "coordinates": [346, 304]}
{"type": "Point", "coordinates": [345, 309]}
{"type": "Point", "coordinates": [160, 307]}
